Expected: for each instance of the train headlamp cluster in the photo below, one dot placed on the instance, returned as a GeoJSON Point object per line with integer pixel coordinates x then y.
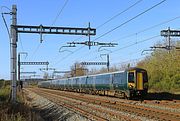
{"type": "Point", "coordinates": [131, 86]}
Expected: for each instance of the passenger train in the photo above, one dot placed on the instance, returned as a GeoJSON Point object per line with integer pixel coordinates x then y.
{"type": "Point", "coordinates": [130, 83]}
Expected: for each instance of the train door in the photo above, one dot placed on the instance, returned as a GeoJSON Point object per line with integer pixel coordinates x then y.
{"type": "Point", "coordinates": [80, 80]}
{"type": "Point", "coordinates": [94, 83]}
{"type": "Point", "coordinates": [111, 81]}
{"type": "Point", "coordinates": [139, 82]}
{"type": "Point", "coordinates": [145, 81]}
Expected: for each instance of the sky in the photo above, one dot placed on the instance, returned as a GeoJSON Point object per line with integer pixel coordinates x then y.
{"type": "Point", "coordinates": [132, 37]}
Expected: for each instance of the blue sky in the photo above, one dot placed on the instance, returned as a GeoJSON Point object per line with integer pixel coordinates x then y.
{"type": "Point", "coordinates": [77, 13]}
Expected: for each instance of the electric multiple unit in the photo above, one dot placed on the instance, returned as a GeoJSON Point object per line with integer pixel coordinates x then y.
{"type": "Point", "coordinates": [129, 83]}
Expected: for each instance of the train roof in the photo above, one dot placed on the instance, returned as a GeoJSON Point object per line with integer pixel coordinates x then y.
{"type": "Point", "coordinates": [135, 68]}
{"type": "Point", "coordinates": [102, 74]}
{"type": "Point", "coordinates": [93, 75]}
{"type": "Point", "coordinates": [132, 68]}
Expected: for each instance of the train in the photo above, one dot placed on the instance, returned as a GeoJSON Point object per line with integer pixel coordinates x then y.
{"type": "Point", "coordinates": [129, 83]}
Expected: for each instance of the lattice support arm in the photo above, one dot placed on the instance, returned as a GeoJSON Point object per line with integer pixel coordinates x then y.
{"type": "Point", "coordinates": [54, 30]}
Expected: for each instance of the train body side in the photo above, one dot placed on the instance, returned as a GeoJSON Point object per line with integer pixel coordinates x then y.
{"type": "Point", "coordinates": [130, 83]}
{"type": "Point", "coordinates": [108, 81]}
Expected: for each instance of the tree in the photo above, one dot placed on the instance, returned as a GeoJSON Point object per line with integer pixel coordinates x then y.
{"type": "Point", "coordinates": [78, 70]}
{"type": "Point", "coordinates": [163, 70]}
{"type": "Point", "coordinates": [46, 76]}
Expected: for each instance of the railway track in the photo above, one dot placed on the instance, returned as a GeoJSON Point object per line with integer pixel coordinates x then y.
{"type": "Point", "coordinates": [167, 103]}
{"type": "Point", "coordinates": [85, 109]}
{"type": "Point", "coordinates": [98, 108]}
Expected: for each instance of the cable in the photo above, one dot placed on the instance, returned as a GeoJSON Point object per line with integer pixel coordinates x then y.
{"type": "Point", "coordinates": [135, 43]}
{"type": "Point", "coordinates": [122, 47]}
{"type": "Point", "coordinates": [116, 15]}
{"type": "Point", "coordinates": [119, 14]}
{"type": "Point", "coordinates": [127, 36]}
{"type": "Point", "coordinates": [131, 60]}
{"type": "Point", "coordinates": [126, 22]}
{"type": "Point", "coordinates": [131, 19]}
{"type": "Point", "coordinates": [136, 17]}
{"type": "Point", "coordinates": [37, 48]}
{"type": "Point", "coordinates": [144, 30]}
{"type": "Point", "coordinates": [127, 46]}
{"type": "Point", "coordinates": [5, 7]}
{"type": "Point", "coordinates": [21, 43]}
{"type": "Point", "coordinates": [4, 20]}
{"type": "Point", "coordinates": [59, 13]}
{"type": "Point", "coordinates": [106, 23]}
{"type": "Point", "coordinates": [149, 28]}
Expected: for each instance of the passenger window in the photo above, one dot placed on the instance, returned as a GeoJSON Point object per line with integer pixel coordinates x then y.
{"type": "Point", "coordinates": [131, 77]}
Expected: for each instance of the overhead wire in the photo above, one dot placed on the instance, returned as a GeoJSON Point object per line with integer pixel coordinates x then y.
{"type": "Point", "coordinates": [149, 28]}
{"type": "Point", "coordinates": [130, 35]}
{"type": "Point", "coordinates": [21, 43]}
{"type": "Point", "coordinates": [54, 21]}
{"type": "Point", "coordinates": [8, 28]}
{"type": "Point", "coordinates": [143, 29]}
{"type": "Point", "coordinates": [131, 53]}
{"type": "Point", "coordinates": [144, 40]}
{"type": "Point", "coordinates": [115, 16]}
{"type": "Point", "coordinates": [130, 19]}
{"type": "Point", "coordinates": [59, 13]}
{"type": "Point", "coordinates": [152, 7]}
{"type": "Point", "coordinates": [110, 19]}
{"type": "Point", "coordinates": [35, 51]}
{"type": "Point", "coordinates": [128, 61]}
{"type": "Point", "coordinates": [4, 20]}
{"type": "Point", "coordinates": [5, 7]}
{"type": "Point", "coordinates": [135, 43]}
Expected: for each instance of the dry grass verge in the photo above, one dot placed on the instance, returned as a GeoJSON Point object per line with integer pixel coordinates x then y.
{"type": "Point", "coordinates": [14, 112]}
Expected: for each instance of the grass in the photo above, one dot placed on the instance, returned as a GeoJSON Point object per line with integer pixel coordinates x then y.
{"type": "Point", "coordinates": [9, 111]}
{"type": "Point", "coordinates": [4, 93]}
{"type": "Point", "coordinates": [9, 114]}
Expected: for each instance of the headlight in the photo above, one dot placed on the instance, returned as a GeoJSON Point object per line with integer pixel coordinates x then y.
{"type": "Point", "coordinates": [131, 86]}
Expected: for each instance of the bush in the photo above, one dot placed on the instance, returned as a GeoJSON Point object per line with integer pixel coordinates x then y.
{"type": "Point", "coordinates": [163, 70]}
{"type": "Point", "coordinates": [4, 93]}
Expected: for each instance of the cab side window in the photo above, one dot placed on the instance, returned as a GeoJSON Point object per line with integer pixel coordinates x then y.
{"type": "Point", "coordinates": [145, 79]}
{"type": "Point", "coordinates": [131, 77]}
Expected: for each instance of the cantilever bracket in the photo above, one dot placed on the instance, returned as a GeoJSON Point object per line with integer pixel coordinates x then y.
{"type": "Point", "coordinates": [60, 49]}
{"type": "Point", "coordinates": [103, 55]}
{"type": "Point", "coordinates": [142, 53]}
{"type": "Point", "coordinates": [99, 49]}
{"type": "Point", "coordinates": [92, 43]}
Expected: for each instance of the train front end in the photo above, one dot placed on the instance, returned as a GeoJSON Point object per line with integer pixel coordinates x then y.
{"type": "Point", "coordinates": [137, 82]}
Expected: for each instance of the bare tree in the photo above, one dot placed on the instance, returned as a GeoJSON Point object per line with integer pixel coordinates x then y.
{"type": "Point", "coordinates": [78, 70]}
